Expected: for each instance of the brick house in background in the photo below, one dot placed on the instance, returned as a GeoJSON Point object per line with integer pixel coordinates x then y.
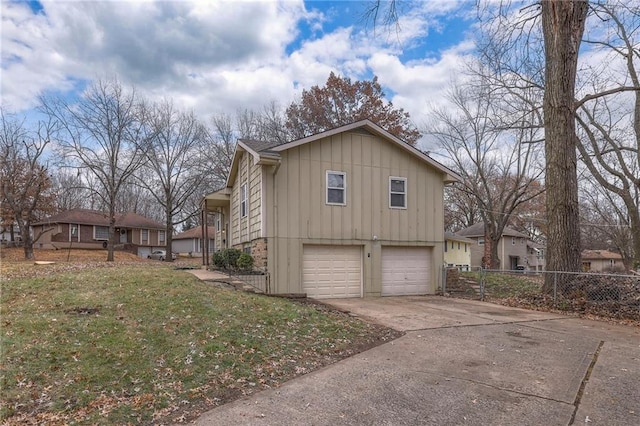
{"type": "Point", "coordinates": [89, 229]}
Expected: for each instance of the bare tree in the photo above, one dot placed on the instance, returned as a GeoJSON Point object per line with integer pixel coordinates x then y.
{"type": "Point", "coordinates": [498, 163]}
{"type": "Point", "coordinates": [563, 24]}
{"type": "Point", "coordinates": [172, 145]}
{"type": "Point", "coordinates": [605, 223]}
{"type": "Point", "coordinates": [461, 208]}
{"type": "Point", "coordinates": [25, 189]}
{"type": "Point", "coordinates": [101, 134]}
{"type": "Point", "coordinates": [610, 125]}
{"type": "Point", "coordinates": [70, 189]}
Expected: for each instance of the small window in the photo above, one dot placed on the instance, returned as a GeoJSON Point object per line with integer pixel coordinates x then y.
{"type": "Point", "coordinates": [465, 247]}
{"type": "Point", "coordinates": [247, 249]}
{"type": "Point", "coordinates": [243, 200]}
{"type": "Point", "coordinates": [398, 193]}
{"type": "Point", "coordinates": [161, 235]}
{"type": "Point", "coordinates": [73, 233]}
{"type": "Point", "coordinates": [480, 241]}
{"type": "Point", "coordinates": [100, 232]}
{"type": "Point", "coordinates": [446, 247]}
{"type": "Point", "coordinates": [218, 223]}
{"type": "Point", "coordinates": [144, 236]}
{"type": "Point", "coordinates": [336, 188]}
{"type": "Point", "coordinates": [458, 246]}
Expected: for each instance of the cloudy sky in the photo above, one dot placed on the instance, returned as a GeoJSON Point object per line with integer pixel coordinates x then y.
{"type": "Point", "coordinates": [221, 56]}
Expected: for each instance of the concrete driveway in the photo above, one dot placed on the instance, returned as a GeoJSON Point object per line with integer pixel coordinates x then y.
{"type": "Point", "coordinates": [462, 362]}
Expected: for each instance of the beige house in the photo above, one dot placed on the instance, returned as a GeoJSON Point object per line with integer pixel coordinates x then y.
{"type": "Point", "coordinates": [457, 251]}
{"type": "Point", "coordinates": [515, 249]}
{"type": "Point", "coordinates": [601, 261]}
{"type": "Point", "coordinates": [349, 212]}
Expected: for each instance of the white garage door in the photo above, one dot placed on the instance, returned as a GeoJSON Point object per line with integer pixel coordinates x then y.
{"type": "Point", "coordinates": [405, 270]}
{"type": "Point", "coordinates": [332, 271]}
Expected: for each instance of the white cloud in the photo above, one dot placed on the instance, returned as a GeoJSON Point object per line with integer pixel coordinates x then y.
{"type": "Point", "coordinates": [214, 56]}
{"type": "Point", "coordinates": [419, 86]}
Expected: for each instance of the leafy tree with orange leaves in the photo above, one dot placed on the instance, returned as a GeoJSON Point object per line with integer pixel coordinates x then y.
{"type": "Point", "coordinates": [342, 102]}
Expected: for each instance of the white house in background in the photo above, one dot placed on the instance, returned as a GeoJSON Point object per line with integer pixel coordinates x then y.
{"type": "Point", "coordinates": [190, 241]}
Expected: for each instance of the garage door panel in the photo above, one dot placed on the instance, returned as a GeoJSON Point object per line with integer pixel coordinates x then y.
{"type": "Point", "coordinates": [405, 270]}
{"type": "Point", "coordinates": [332, 271]}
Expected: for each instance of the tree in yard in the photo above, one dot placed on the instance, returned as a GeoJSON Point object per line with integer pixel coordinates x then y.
{"type": "Point", "coordinates": [498, 163]}
{"type": "Point", "coordinates": [342, 102]}
{"type": "Point", "coordinates": [609, 126]}
{"type": "Point", "coordinates": [172, 145]}
{"type": "Point", "coordinates": [101, 134]}
{"type": "Point", "coordinates": [563, 24]}
{"type": "Point", "coordinates": [606, 224]}
{"type": "Point", "coordinates": [25, 187]}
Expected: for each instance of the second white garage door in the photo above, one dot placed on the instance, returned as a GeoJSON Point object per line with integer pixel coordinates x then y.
{"type": "Point", "coordinates": [405, 270]}
{"type": "Point", "coordinates": [332, 271]}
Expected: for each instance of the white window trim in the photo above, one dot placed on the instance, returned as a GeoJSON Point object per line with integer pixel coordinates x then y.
{"type": "Point", "coordinates": [94, 233]}
{"type": "Point", "coordinates": [327, 188]}
{"type": "Point", "coordinates": [404, 179]}
{"type": "Point", "coordinates": [71, 225]}
{"type": "Point", "coordinates": [244, 200]}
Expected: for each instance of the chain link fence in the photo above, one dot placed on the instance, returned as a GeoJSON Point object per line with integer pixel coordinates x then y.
{"type": "Point", "coordinates": [608, 295]}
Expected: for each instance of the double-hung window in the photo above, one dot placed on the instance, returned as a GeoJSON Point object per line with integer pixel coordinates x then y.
{"type": "Point", "coordinates": [243, 200]}
{"type": "Point", "coordinates": [336, 188]}
{"type": "Point", "coordinates": [398, 193]}
{"type": "Point", "coordinates": [161, 237]}
{"type": "Point", "coordinates": [100, 232]}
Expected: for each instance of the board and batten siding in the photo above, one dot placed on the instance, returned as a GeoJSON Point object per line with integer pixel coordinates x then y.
{"type": "Point", "coordinates": [250, 227]}
{"type": "Point", "coordinates": [298, 213]}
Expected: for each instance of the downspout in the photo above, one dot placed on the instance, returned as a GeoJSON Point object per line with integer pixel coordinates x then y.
{"type": "Point", "coordinates": [274, 172]}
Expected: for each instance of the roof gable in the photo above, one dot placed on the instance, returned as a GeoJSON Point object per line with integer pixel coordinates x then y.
{"type": "Point", "coordinates": [268, 153]}
{"type": "Point", "coordinates": [195, 233]}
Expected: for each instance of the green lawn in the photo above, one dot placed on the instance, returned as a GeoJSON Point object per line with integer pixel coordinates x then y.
{"type": "Point", "coordinates": [146, 343]}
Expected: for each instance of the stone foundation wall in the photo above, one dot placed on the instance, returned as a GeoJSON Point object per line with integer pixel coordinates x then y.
{"type": "Point", "coordinates": [259, 253]}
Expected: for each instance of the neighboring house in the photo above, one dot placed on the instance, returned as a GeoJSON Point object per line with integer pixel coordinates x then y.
{"type": "Point", "coordinates": [349, 212]}
{"type": "Point", "coordinates": [89, 229]}
{"type": "Point", "coordinates": [457, 251]}
{"type": "Point", "coordinates": [5, 233]}
{"type": "Point", "coordinates": [190, 241]}
{"type": "Point", "coordinates": [601, 261]}
{"type": "Point", "coordinates": [515, 249]}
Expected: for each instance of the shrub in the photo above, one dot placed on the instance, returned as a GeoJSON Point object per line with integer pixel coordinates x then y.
{"type": "Point", "coordinates": [245, 262]}
{"type": "Point", "coordinates": [217, 259]}
{"type": "Point", "coordinates": [231, 257]}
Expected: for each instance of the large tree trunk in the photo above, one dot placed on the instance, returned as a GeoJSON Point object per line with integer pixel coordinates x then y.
{"type": "Point", "coordinates": [563, 24]}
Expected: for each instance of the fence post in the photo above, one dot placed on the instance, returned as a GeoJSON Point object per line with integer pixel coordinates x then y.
{"type": "Point", "coordinates": [555, 288]}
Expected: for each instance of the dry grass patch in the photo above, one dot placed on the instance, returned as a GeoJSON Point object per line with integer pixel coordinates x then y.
{"type": "Point", "coordinates": [144, 343]}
